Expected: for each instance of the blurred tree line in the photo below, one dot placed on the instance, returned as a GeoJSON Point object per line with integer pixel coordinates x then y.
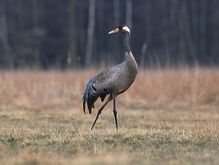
{"type": "Point", "coordinates": [73, 34]}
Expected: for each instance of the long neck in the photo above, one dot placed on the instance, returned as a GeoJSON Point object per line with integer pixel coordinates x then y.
{"type": "Point", "coordinates": [130, 60]}
{"type": "Point", "coordinates": [126, 43]}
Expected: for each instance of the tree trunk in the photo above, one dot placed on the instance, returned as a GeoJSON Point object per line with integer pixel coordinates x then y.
{"type": "Point", "coordinates": [116, 12]}
{"type": "Point", "coordinates": [72, 60]}
{"type": "Point", "coordinates": [116, 55]}
{"type": "Point", "coordinates": [7, 56]}
{"type": "Point", "coordinates": [129, 13]}
{"type": "Point", "coordinates": [36, 33]}
{"type": "Point", "coordinates": [90, 32]}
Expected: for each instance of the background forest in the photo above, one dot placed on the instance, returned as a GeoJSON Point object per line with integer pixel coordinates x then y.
{"type": "Point", "coordinates": [46, 34]}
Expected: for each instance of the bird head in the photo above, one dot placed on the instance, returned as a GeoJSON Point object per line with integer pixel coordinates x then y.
{"type": "Point", "coordinates": [122, 29]}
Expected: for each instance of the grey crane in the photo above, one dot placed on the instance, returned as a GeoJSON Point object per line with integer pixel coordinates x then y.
{"type": "Point", "coordinates": [112, 81]}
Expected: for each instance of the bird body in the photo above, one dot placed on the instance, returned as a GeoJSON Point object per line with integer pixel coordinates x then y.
{"type": "Point", "coordinates": [112, 81]}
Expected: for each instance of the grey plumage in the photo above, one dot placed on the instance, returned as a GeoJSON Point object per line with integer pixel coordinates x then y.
{"type": "Point", "coordinates": [112, 81]}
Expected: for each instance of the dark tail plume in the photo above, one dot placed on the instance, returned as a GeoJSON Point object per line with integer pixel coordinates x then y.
{"type": "Point", "coordinates": [90, 96]}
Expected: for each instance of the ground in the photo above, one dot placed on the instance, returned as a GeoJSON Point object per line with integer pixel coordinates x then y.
{"type": "Point", "coordinates": [167, 117]}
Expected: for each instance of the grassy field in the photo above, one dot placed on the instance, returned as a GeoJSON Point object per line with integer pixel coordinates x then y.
{"type": "Point", "coordinates": [166, 117]}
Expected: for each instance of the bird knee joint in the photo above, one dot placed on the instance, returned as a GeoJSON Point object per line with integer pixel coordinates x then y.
{"type": "Point", "coordinates": [99, 112]}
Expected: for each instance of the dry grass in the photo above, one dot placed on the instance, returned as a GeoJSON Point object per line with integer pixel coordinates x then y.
{"type": "Point", "coordinates": [37, 90]}
{"type": "Point", "coordinates": [167, 116]}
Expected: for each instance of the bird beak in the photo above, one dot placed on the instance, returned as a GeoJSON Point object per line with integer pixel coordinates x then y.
{"type": "Point", "coordinates": [114, 31]}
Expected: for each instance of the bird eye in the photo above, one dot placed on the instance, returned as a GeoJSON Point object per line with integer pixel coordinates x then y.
{"type": "Point", "coordinates": [121, 27]}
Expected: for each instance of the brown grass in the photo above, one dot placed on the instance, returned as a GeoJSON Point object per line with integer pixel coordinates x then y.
{"type": "Point", "coordinates": [35, 90]}
{"type": "Point", "coordinates": [167, 116]}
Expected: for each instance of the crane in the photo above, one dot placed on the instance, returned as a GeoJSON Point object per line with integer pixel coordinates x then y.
{"type": "Point", "coordinates": [112, 81]}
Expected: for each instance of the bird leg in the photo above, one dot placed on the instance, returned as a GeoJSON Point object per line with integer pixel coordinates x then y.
{"type": "Point", "coordinates": [99, 112]}
{"type": "Point", "coordinates": [115, 112]}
